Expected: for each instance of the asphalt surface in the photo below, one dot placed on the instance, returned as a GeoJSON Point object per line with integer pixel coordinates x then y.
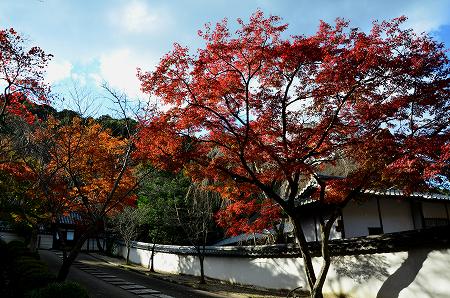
{"type": "Point", "coordinates": [104, 280]}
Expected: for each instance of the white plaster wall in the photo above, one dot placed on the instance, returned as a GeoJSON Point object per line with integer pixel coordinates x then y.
{"type": "Point", "coordinates": [8, 237]}
{"type": "Point", "coordinates": [137, 256]}
{"type": "Point", "coordinates": [396, 215]}
{"type": "Point", "coordinates": [447, 209]}
{"type": "Point", "coordinates": [416, 211]}
{"type": "Point", "coordinates": [310, 234]}
{"type": "Point", "coordinates": [418, 273]}
{"type": "Point", "coordinates": [335, 234]}
{"type": "Point", "coordinates": [308, 226]}
{"type": "Point", "coordinates": [45, 241]}
{"type": "Point", "coordinates": [359, 216]}
{"type": "Point", "coordinates": [91, 244]}
{"type": "Point", "coordinates": [264, 272]}
{"type": "Point", "coordinates": [434, 210]}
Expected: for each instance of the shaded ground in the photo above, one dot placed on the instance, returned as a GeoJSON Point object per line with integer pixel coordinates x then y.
{"type": "Point", "coordinates": [102, 279]}
{"type": "Point", "coordinates": [96, 272]}
{"type": "Point", "coordinates": [94, 287]}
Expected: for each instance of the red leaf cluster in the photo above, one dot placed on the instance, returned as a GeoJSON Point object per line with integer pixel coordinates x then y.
{"type": "Point", "coordinates": [255, 109]}
{"type": "Point", "coordinates": [21, 75]}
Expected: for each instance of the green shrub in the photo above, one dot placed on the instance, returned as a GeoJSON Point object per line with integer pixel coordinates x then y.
{"type": "Point", "coordinates": [34, 255]}
{"type": "Point", "coordinates": [21, 270]}
{"type": "Point", "coordinates": [25, 265]}
{"type": "Point", "coordinates": [4, 266]}
{"type": "Point", "coordinates": [17, 244]}
{"type": "Point", "coordinates": [34, 280]}
{"type": "Point", "coordinates": [16, 248]}
{"type": "Point", "coordinates": [27, 261]}
{"type": "Point", "coordinates": [60, 290]}
{"type": "Point", "coordinates": [27, 273]}
{"type": "Point", "coordinates": [13, 250]}
{"type": "Point", "coordinates": [3, 244]}
{"type": "Point", "coordinates": [4, 256]}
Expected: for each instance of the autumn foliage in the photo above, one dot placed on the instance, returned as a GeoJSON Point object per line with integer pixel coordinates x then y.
{"type": "Point", "coordinates": [77, 167]}
{"type": "Point", "coordinates": [265, 114]}
{"type": "Point", "coordinates": [259, 109]}
{"type": "Point", "coordinates": [21, 75]}
{"type": "Point", "coordinates": [81, 166]}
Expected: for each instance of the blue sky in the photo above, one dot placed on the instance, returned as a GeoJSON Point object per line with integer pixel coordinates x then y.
{"type": "Point", "coordinates": [106, 40]}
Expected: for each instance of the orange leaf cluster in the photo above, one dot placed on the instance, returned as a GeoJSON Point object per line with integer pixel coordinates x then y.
{"type": "Point", "coordinates": [79, 167]}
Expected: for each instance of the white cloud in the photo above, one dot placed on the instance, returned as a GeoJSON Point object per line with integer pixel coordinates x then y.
{"type": "Point", "coordinates": [97, 79]}
{"type": "Point", "coordinates": [79, 79]}
{"type": "Point", "coordinates": [57, 71]}
{"type": "Point", "coordinates": [137, 17]}
{"type": "Point", "coordinates": [427, 17]}
{"type": "Point", "coordinates": [119, 68]}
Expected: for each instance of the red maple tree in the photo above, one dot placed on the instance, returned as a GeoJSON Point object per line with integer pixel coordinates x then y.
{"type": "Point", "coordinates": [258, 113]}
{"type": "Point", "coordinates": [21, 75]}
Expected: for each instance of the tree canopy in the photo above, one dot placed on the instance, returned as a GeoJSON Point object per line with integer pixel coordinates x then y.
{"type": "Point", "coordinates": [21, 75]}
{"type": "Point", "coordinates": [75, 166]}
{"type": "Point", "coordinates": [260, 113]}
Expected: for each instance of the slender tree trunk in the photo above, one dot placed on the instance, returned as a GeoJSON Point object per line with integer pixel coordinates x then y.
{"type": "Point", "coordinates": [128, 253]}
{"type": "Point", "coordinates": [34, 239]}
{"type": "Point", "coordinates": [99, 245]}
{"type": "Point", "coordinates": [305, 251]}
{"type": "Point", "coordinates": [201, 258]}
{"type": "Point", "coordinates": [62, 242]}
{"type": "Point", "coordinates": [69, 259]}
{"type": "Point", "coordinates": [279, 236]}
{"type": "Point", "coordinates": [325, 231]}
{"type": "Point", "coordinates": [152, 258]}
{"type": "Point", "coordinates": [316, 282]}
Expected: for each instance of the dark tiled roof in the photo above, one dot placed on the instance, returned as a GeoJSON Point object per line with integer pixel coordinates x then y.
{"type": "Point", "coordinates": [70, 219]}
{"type": "Point", "coordinates": [429, 238]}
{"type": "Point", "coordinates": [400, 193]}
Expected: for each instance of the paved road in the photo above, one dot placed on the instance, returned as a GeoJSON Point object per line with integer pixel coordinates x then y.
{"type": "Point", "coordinates": [104, 280]}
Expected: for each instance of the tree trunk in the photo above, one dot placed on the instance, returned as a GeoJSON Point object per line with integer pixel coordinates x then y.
{"type": "Point", "coordinates": [34, 239]}
{"type": "Point", "coordinates": [279, 233]}
{"type": "Point", "coordinates": [152, 258]}
{"type": "Point", "coordinates": [128, 253]}
{"type": "Point", "coordinates": [325, 231]}
{"type": "Point", "coordinates": [68, 260]}
{"type": "Point", "coordinates": [317, 293]}
{"type": "Point", "coordinates": [316, 283]}
{"type": "Point", "coordinates": [305, 252]}
{"type": "Point", "coordinates": [201, 258]}
{"type": "Point", "coordinates": [99, 245]}
{"type": "Point", "coordinates": [62, 242]}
